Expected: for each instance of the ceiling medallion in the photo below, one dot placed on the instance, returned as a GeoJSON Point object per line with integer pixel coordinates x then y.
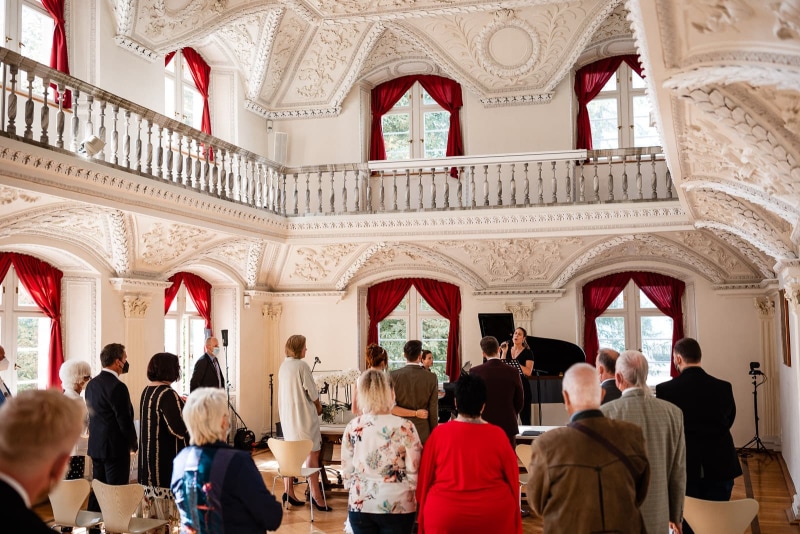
{"type": "Point", "coordinates": [508, 47]}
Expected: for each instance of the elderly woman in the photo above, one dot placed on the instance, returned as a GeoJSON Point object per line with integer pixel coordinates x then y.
{"type": "Point", "coordinates": [298, 409]}
{"type": "Point", "coordinates": [380, 460]}
{"type": "Point", "coordinates": [74, 375]}
{"type": "Point", "coordinates": [218, 489]}
{"type": "Point", "coordinates": [469, 462]}
{"type": "Point", "coordinates": [163, 434]}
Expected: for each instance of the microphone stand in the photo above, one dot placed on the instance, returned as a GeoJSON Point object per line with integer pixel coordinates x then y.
{"type": "Point", "coordinates": [271, 409]}
{"type": "Point", "coordinates": [228, 392]}
{"type": "Point", "coordinates": [539, 372]}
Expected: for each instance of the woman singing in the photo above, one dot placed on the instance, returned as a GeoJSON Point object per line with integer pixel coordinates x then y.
{"type": "Point", "coordinates": [521, 352]}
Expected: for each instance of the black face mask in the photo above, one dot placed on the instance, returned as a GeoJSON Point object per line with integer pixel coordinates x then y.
{"type": "Point", "coordinates": [125, 367]}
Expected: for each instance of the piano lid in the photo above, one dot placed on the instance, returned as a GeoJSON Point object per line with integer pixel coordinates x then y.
{"type": "Point", "coordinates": [551, 356]}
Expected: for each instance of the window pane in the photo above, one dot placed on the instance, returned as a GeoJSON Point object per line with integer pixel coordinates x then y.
{"type": "Point", "coordinates": [36, 34]}
{"type": "Point", "coordinates": [190, 307]}
{"type": "Point", "coordinates": [437, 126]}
{"type": "Point", "coordinates": [171, 336]}
{"type": "Point", "coordinates": [603, 117]}
{"type": "Point", "coordinates": [192, 106]}
{"type": "Point", "coordinates": [392, 335]}
{"type": "Point", "coordinates": [173, 307]}
{"type": "Point", "coordinates": [644, 302]}
{"type": "Point", "coordinates": [611, 332]}
{"type": "Point", "coordinates": [24, 298]}
{"type": "Point", "coordinates": [404, 101]}
{"type": "Point", "coordinates": [403, 306]}
{"type": "Point", "coordinates": [33, 344]}
{"type": "Point", "coordinates": [169, 96]}
{"type": "Point", "coordinates": [643, 133]}
{"type": "Point", "coordinates": [424, 306]}
{"type": "Point", "coordinates": [618, 303]}
{"type": "Point", "coordinates": [611, 84]}
{"type": "Point", "coordinates": [637, 82]}
{"type": "Point", "coordinates": [433, 334]}
{"type": "Point", "coordinates": [193, 342]}
{"type": "Point", "coordinates": [397, 135]}
{"type": "Point", "coordinates": [427, 99]}
{"type": "Point", "coordinates": [656, 335]}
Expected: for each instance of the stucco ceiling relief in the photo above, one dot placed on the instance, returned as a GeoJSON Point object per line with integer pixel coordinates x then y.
{"type": "Point", "coordinates": [290, 31]}
{"type": "Point", "coordinates": [717, 15]}
{"type": "Point", "coordinates": [754, 256]}
{"type": "Point", "coordinates": [163, 244]}
{"type": "Point", "coordinates": [9, 195]}
{"type": "Point", "coordinates": [232, 253]}
{"type": "Point", "coordinates": [158, 20]}
{"type": "Point", "coordinates": [787, 14]}
{"type": "Point", "coordinates": [316, 265]}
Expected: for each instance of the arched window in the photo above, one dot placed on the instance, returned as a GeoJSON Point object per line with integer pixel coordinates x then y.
{"type": "Point", "coordinates": [187, 321]}
{"type": "Point", "coordinates": [186, 83]}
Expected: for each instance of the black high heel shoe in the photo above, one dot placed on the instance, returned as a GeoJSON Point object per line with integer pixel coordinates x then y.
{"type": "Point", "coordinates": [325, 508]}
{"type": "Point", "coordinates": [292, 500]}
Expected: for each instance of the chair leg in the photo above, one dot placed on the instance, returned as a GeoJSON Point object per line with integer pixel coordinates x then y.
{"type": "Point", "coordinates": [310, 499]}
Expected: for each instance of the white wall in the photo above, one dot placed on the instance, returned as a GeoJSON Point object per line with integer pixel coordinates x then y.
{"type": "Point", "coordinates": [790, 403]}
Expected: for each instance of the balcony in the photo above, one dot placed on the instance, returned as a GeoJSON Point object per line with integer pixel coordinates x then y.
{"type": "Point", "coordinates": [141, 151]}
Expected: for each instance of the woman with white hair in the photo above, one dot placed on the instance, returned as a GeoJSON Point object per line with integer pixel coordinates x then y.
{"type": "Point", "coordinates": [218, 489]}
{"type": "Point", "coordinates": [380, 460]}
{"type": "Point", "coordinates": [74, 375]}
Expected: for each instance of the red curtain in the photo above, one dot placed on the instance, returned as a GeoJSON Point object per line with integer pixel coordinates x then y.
{"type": "Point", "coordinates": [381, 300]}
{"type": "Point", "coordinates": [666, 293]}
{"type": "Point", "coordinates": [444, 298]}
{"type": "Point", "coordinates": [589, 80]}
{"type": "Point", "coordinates": [43, 283]}
{"type": "Point", "coordinates": [201, 74]}
{"type": "Point", "coordinates": [59, 60]}
{"type": "Point", "coordinates": [199, 290]}
{"type": "Point", "coordinates": [446, 93]}
{"type": "Point", "coordinates": [597, 297]}
{"type": "Point", "coordinates": [168, 58]}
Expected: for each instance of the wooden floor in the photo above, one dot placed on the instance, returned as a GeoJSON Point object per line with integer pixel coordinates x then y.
{"type": "Point", "coordinates": [764, 479]}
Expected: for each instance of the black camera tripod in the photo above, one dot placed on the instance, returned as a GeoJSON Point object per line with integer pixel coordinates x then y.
{"type": "Point", "coordinates": [755, 444]}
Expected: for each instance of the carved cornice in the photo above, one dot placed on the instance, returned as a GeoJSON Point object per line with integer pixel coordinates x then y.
{"type": "Point", "coordinates": [138, 285]}
{"type": "Point", "coordinates": [135, 306]}
{"type": "Point", "coordinates": [271, 311]}
{"type": "Point", "coordinates": [136, 48]}
{"type": "Point", "coordinates": [516, 100]}
{"type": "Point", "coordinates": [538, 294]}
{"type": "Point", "coordinates": [781, 76]}
{"type": "Point", "coordinates": [765, 307]}
{"type": "Point", "coordinates": [522, 312]}
{"type": "Point", "coordinates": [308, 113]}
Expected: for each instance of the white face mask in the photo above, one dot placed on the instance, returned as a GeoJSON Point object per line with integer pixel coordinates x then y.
{"type": "Point", "coordinates": [4, 364]}
{"type": "Point", "coordinates": [215, 351]}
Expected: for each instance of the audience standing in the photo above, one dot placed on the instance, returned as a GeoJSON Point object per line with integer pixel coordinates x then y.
{"type": "Point", "coordinates": [163, 434]}
{"type": "Point", "coordinates": [606, 365]}
{"type": "Point", "coordinates": [74, 375]}
{"type": "Point", "coordinates": [218, 489]}
{"type": "Point", "coordinates": [299, 408]}
{"type": "Point", "coordinates": [416, 389]}
{"type": "Point", "coordinates": [376, 358]}
{"type": "Point", "coordinates": [708, 413]}
{"type": "Point", "coordinates": [592, 475]}
{"type": "Point", "coordinates": [380, 461]}
{"type": "Point", "coordinates": [112, 435]}
{"type": "Point", "coordinates": [504, 395]}
{"type": "Point", "coordinates": [469, 477]}
{"type": "Point", "coordinates": [522, 353]}
{"type": "Point", "coordinates": [207, 371]}
{"type": "Point", "coordinates": [38, 430]}
{"type": "Point", "coordinates": [662, 424]}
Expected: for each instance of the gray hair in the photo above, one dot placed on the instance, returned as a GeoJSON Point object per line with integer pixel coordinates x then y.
{"type": "Point", "coordinates": [374, 392]}
{"type": "Point", "coordinates": [74, 372]}
{"type": "Point", "coordinates": [205, 410]}
{"type": "Point", "coordinates": [580, 381]}
{"type": "Point", "coordinates": [633, 367]}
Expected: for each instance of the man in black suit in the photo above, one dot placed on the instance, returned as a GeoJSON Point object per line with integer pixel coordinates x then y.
{"type": "Point", "coordinates": [207, 371]}
{"type": "Point", "coordinates": [504, 396]}
{"type": "Point", "coordinates": [112, 435]}
{"type": "Point", "coordinates": [708, 413]}
{"type": "Point", "coordinates": [606, 365]}
{"type": "Point", "coordinates": [37, 432]}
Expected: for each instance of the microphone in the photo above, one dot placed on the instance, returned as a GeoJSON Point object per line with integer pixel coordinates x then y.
{"type": "Point", "coordinates": [224, 338]}
{"type": "Point", "coordinates": [317, 360]}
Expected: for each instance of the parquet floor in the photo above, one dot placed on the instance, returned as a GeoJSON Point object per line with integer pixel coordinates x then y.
{"type": "Point", "coordinates": [764, 479]}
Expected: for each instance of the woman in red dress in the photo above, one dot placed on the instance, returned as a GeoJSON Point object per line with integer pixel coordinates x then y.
{"type": "Point", "coordinates": [468, 479]}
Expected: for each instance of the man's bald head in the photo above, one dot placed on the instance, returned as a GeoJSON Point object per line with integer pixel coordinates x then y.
{"type": "Point", "coordinates": [580, 388]}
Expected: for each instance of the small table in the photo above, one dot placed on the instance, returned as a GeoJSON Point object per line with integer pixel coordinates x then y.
{"type": "Point", "coordinates": [331, 435]}
{"type": "Point", "coordinates": [533, 432]}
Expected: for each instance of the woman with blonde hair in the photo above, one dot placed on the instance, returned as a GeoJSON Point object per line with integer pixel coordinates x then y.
{"type": "Point", "coordinates": [74, 375]}
{"type": "Point", "coordinates": [217, 488]}
{"type": "Point", "coordinates": [299, 408]}
{"type": "Point", "coordinates": [380, 460]}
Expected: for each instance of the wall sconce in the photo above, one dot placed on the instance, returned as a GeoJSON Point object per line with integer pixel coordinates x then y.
{"type": "Point", "coordinates": [91, 146]}
{"type": "Point", "coordinates": [247, 302]}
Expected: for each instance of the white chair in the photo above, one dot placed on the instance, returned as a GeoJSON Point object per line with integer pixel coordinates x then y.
{"type": "Point", "coordinates": [66, 499]}
{"type": "Point", "coordinates": [524, 453]}
{"type": "Point", "coordinates": [719, 517]}
{"type": "Point", "coordinates": [118, 503]}
{"type": "Point", "coordinates": [290, 456]}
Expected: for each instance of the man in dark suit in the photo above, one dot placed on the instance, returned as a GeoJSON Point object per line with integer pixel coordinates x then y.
{"type": "Point", "coordinates": [708, 413]}
{"type": "Point", "coordinates": [112, 435]}
{"type": "Point", "coordinates": [207, 371]}
{"type": "Point", "coordinates": [415, 388]}
{"type": "Point", "coordinates": [606, 365]}
{"type": "Point", "coordinates": [37, 432]}
{"type": "Point", "coordinates": [504, 397]}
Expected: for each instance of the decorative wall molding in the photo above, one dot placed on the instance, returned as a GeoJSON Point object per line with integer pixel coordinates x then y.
{"type": "Point", "coordinates": [272, 312]}
{"type": "Point", "coordinates": [138, 285]}
{"type": "Point", "coordinates": [522, 312]}
{"type": "Point", "coordinates": [362, 259]}
{"type": "Point", "coordinates": [136, 48]}
{"type": "Point", "coordinates": [765, 306]}
{"type": "Point", "coordinates": [135, 306]}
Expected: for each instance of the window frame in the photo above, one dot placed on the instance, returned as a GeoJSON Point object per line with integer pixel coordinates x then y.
{"type": "Point", "coordinates": [178, 72]}
{"type": "Point", "coordinates": [416, 110]}
{"type": "Point", "coordinates": [183, 312]}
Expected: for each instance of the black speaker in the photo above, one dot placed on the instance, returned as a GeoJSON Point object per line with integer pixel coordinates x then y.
{"type": "Point", "coordinates": [244, 439]}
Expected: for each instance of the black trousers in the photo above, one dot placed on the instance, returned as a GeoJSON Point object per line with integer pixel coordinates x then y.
{"type": "Point", "coordinates": [113, 471]}
{"type": "Point", "coordinates": [527, 396]}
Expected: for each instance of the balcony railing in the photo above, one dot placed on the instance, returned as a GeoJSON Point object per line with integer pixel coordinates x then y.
{"type": "Point", "coordinates": [138, 140]}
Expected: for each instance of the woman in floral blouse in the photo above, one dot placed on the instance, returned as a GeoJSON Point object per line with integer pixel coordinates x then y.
{"type": "Point", "coordinates": [380, 459]}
